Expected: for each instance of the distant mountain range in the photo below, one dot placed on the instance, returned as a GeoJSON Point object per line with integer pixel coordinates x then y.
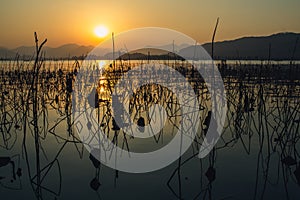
{"type": "Point", "coordinates": [280, 46]}
{"type": "Point", "coordinates": [64, 51]}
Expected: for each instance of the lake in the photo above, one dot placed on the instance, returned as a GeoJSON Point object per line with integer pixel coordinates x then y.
{"type": "Point", "coordinates": [43, 150]}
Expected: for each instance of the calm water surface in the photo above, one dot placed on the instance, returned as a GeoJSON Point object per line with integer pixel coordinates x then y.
{"type": "Point", "coordinates": [42, 155]}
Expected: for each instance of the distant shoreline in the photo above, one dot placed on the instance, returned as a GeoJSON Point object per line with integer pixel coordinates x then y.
{"type": "Point", "coordinates": [276, 47]}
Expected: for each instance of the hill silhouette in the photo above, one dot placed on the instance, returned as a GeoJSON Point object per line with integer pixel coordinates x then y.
{"type": "Point", "coordinates": [64, 51]}
{"type": "Point", "coordinates": [280, 46]}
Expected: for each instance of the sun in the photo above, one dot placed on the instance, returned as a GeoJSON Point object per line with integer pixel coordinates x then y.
{"type": "Point", "coordinates": [101, 31]}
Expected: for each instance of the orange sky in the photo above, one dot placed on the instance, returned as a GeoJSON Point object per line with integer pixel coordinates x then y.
{"type": "Point", "coordinates": [74, 21]}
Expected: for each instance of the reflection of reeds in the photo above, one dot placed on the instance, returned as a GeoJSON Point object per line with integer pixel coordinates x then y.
{"type": "Point", "coordinates": [263, 101]}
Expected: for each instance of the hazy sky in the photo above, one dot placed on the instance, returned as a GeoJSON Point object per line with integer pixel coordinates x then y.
{"type": "Point", "coordinates": [73, 21]}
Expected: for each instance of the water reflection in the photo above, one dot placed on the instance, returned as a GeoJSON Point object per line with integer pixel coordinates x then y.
{"type": "Point", "coordinates": [38, 131]}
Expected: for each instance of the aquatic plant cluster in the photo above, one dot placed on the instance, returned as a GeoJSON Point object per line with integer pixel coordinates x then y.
{"type": "Point", "coordinates": [37, 123]}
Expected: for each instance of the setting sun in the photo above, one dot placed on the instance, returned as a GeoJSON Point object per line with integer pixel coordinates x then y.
{"type": "Point", "coordinates": [101, 31]}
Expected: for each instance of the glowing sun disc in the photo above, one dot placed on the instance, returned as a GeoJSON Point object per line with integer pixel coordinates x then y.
{"type": "Point", "coordinates": [101, 31]}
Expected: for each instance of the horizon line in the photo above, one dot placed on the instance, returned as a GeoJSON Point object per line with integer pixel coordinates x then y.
{"type": "Point", "coordinates": [224, 40]}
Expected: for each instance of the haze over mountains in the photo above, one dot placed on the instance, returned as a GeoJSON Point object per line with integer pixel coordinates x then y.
{"type": "Point", "coordinates": [280, 46]}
